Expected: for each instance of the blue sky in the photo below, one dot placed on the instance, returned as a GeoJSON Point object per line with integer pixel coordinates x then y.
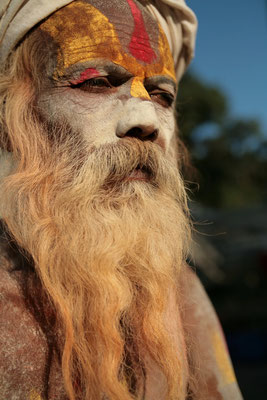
{"type": "Point", "coordinates": [232, 52]}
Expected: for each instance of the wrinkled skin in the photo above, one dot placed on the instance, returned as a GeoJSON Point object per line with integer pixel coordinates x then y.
{"type": "Point", "coordinates": [29, 367]}
{"type": "Point", "coordinates": [92, 82]}
{"type": "Point", "coordinates": [131, 89]}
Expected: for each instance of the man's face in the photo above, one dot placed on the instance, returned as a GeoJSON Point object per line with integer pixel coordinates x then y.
{"type": "Point", "coordinates": [112, 76]}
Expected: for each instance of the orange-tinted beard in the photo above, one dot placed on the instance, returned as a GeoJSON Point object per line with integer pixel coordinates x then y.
{"type": "Point", "coordinates": [108, 252]}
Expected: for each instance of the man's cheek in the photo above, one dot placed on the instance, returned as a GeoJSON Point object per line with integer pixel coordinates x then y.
{"type": "Point", "coordinates": [167, 124]}
{"type": "Point", "coordinates": [95, 122]}
{"type": "Point", "coordinates": [76, 100]}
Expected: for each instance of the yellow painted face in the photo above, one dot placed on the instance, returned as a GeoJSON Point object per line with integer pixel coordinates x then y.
{"type": "Point", "coordinates": [85, 31]}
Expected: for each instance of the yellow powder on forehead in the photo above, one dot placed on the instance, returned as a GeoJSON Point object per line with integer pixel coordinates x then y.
{"type": "Point", "coordinates": [138, 89]}
{"type": "Point", "coordinates": [165, 52]}
{"type": "Point", "coordinates": [83, 33]}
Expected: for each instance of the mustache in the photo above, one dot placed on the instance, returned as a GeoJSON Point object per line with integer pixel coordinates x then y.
{"type": "Point", "coordinates": [119, 160]}
{"type": "Point", "coordinates": [106, 165]}
{"type": "Point", "coordinates": [112, 161]}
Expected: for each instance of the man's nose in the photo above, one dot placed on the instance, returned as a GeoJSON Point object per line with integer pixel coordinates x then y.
{"type": "Point", "coordinates": [139, 120]}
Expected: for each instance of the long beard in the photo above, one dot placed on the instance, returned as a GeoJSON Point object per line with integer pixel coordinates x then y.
{"type": "Point", "coordinates": [108, 251]}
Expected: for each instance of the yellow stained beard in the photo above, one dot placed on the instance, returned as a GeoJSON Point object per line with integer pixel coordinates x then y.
{"type": "Point", "coordinates": [108, 252]}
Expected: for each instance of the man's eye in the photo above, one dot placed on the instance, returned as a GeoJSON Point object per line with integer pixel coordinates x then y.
{"type": "Point", "coordinates": [99, 82]}
{"type": "Point", "coordinates": [164, 98]}
{"type": "Point", "coordinates": [94, 84]}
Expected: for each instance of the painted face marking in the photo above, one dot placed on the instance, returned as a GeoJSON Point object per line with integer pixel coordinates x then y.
{"type": "Point", "coordinates": [89, 73]}
{"type": "Point", "coordinates": [95, 38]}
{"type": "Point", "coordinates": [138, 89]}
{"type": "Point", "coordinates": [91, 50]}
{"type": "Point", "coordinates": [139, 46]}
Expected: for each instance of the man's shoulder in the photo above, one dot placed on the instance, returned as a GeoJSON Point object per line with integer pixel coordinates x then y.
{"type": "Point", "coordinates": [22, 345]}
{"type": "Point", "coordinates": [15, 318]}
{"type": "Point", "coordinates": [8, 283]}
{"type": "Point", "coordinates": [28, 366]}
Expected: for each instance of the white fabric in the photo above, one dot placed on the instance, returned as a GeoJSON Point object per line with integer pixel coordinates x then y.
{"type": "Point", "coordinates": [180, 26]}
{"type": "Point", "coordinates": [179, 23]}
{"type": "Point", "coordinates": [19, 16]}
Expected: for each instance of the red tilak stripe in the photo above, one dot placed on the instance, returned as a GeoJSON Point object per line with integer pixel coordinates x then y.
{"type": "Point", "coordinates": [89, 73]}
{"type": "Point", "coordinates": [139, 46]}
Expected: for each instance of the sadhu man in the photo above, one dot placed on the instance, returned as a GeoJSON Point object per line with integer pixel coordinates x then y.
{"type": "Point", "coordinates": [96, 299]}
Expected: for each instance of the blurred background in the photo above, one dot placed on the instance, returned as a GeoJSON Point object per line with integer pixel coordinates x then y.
{"type": "Point", "coordinates": [222, 115]}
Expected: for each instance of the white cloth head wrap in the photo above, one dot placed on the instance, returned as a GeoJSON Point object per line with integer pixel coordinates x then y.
{"type": "Point", "coordinates": [179, 23]}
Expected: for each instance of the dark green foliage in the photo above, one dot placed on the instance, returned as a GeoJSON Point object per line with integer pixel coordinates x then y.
{"type": "Point", "coordinates": [229, 154]}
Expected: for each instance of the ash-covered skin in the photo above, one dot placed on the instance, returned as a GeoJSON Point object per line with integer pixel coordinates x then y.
{"type": "Point", "coordinates": [110, 79]}
{"type": "Point", "coordinates": [208, 354]}
{"type": "Point", "coordinates": [29, 360]}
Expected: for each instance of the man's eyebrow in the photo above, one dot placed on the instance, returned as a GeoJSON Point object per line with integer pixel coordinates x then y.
{"type": "Point", "coordinates": [110, 67]}
{"type": "Point", "coordinates": [157, 80]}
{"type": "Point", "coordinates": [105, 66]}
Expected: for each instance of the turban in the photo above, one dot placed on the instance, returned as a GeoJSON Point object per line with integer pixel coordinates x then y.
{"type": "Point", "coordinates": [179, 23]}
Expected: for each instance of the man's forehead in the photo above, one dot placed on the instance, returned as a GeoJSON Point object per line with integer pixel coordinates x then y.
{"type": "Point", "coordinates": [144, 29]}
{"type": "Point", "coordinates": [118, 30]}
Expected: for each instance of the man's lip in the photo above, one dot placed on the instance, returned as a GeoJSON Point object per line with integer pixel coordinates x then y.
{"type": "Point", "coordinates": [138, 175]}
